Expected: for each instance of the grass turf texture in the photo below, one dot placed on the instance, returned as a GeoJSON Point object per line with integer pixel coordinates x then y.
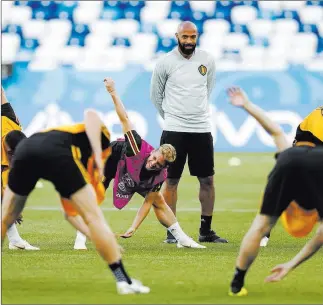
{"type": "Point", "coordinates": [59, 274]}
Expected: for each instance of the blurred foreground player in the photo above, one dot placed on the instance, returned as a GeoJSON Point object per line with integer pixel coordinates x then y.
{"type": "Point", "coordinates": [294, 192]}
{"type": "Point", "coordinates": [60, 155]}
{"type": "Point", "coordinates": [136, 167]}
{"type": "Point", "coordinates": [11, 135]}
{"type": "Point", "coordinates": [310, 130]}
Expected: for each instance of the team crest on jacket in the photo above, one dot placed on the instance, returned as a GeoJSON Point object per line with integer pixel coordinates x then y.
{"type": "Point", "coordinates": [202, 69]}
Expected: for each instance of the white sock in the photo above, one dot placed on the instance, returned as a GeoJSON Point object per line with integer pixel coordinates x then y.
{"type": "Point", "coordinates": [80, 238]}
{"type": "Point", "coordinates": [13, 234]}
{"type": "Point", "coordinates": [177, 231]}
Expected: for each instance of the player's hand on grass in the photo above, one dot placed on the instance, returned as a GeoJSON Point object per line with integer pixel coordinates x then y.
{"type": "Point", "coordinates": [279, 272]}
{"type": "Point", "coordinates": [237, 97]}
{"type": "Point", "coordinates": [109, 85]}
{"type": "Point", "coordinates": [129, 233]}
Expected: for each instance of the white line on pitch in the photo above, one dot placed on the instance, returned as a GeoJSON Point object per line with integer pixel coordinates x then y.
{"type": "Point", "coordinates": [44, 208]}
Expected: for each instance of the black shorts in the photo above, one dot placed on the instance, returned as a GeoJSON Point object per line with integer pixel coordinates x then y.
{"type": "Point", "coordinates": [297, 175]}
{"type": "Point", "coordinates": [49, 157]}
{"type": "Point", "coordinates": [198, 147]}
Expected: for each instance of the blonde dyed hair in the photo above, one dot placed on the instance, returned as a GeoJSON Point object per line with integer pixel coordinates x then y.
{"type": "Point", "coordinates": [169, 152]}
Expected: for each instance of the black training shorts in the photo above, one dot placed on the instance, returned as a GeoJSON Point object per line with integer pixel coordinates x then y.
{"type": "Point", "coordinates": [297, 175]}
{"type": "Point", "coordinates": [198, 147]}
{"type": "Point", "coordinates": [51, 156]}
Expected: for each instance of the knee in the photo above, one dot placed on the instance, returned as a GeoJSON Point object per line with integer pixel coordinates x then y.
{"type": "Point", "coordinates": [263, 224]}
{"type": "Point", "coordinates": [206, 182]}
{"type": "Point", "coordinates": [172, 183]}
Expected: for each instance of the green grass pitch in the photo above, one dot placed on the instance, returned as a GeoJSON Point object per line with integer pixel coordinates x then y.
{"type": "Point", "coordinates": [58, 274]}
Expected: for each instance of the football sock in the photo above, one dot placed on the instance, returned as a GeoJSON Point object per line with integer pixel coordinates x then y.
{"type": "Point", "coordinates": [80, 238]}
{"type": "Point", "coordinates": [119, 272]}
{"type": "Point", "coordinates": [205, 224]}
{"type": "Point", "coordinates": [176, 231]}
{"type": "Point", "coordinates": [13, 234]}
{"type": "Point", "coordinates": [238, 280]}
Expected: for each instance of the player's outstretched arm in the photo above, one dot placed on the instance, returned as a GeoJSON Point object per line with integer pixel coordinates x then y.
{"type": "Point", "coordinates": [93, 128]}
{"type": "Point", "coordinates": [239, 98]}
{"type": "Point", "coordinates": [140, 217]}
{"type": "Point", "coordinates": [118, 105]}
{"type": "Point", "coordinates": [280, 271]}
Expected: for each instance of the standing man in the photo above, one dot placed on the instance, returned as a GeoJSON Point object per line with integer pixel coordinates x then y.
{"type": "Point", "coordinates": [181, 85]}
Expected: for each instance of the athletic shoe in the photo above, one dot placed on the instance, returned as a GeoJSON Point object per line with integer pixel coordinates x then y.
{"type": "Point", "coordinates": [189, 243]}
{"type": "Point", "coordinates": [243, 292]}
{"type": "Point", "coordinates": [211, 237]}
{"type": "Point", "coordinates": [22, 245]}
{"type": "Point", "coordinates": [133, 288]}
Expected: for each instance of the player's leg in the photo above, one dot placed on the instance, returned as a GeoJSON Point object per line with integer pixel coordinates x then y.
{"type": "Point", "coordinates": [249, 250]}
{"type": "Point", "coordinates": [22, 179]}
{"type": "Point", "coordinates": [12, 206]}
{"type": "Point", "coordinates": [167, 218]}
{"type": "Point", "coordinates": [201, 165]}
{"type": "Point", "coordinates": [175, 170]}
{"type": "Point", "coordinates": [104, 239]}
{"type": "Point", "coordinates": [15, 240]}
{"type": "Point", "coordinates": [74, 183]}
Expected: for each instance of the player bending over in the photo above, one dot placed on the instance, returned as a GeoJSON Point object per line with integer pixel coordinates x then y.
{"type": "Point", "coordinates": [310, 130]}
{"type": "Point", "coordinates": [136, 167]}
{"type": "Point", "coordinates": [60, 155]}
{"type": "Point", "coordinates": [294, 191]}
{"type": "Point", "coordinates": [11, 135]}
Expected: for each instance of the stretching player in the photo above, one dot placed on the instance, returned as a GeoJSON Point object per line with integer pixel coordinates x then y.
{"type": "Point", "coordinates": [136, 167]}
{"type": "Point", "coordinates": [60, 155]}
{"type": "Point", "coordinates": [294, 191]}
{"type": "Point", "coordinates": [11, 135]}
{"type": "Point", "coordinates": [310, 130]}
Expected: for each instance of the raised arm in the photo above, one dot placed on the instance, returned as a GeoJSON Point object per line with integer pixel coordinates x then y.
{"type": "Point", "coordinates": [93, 128]}
{"type": "Point", "coordinates": [239, 98]}
{"type": "Point", "coordinates": [118, 105]}
{"type": "Point", "coordinates": [157, 87]}
{"type": "Point", "coordinates": [280, 271]}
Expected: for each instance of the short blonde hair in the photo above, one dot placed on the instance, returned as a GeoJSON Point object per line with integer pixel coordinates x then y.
{"type": "Point", "coordinates": [169, 152]}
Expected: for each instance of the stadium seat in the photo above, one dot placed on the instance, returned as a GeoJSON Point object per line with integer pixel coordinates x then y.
{"type": "Point", "coordinates": [243, 14]}
{"type": "Point", "coordinates": [217, 27]}
{"type": "Point", "coordinates": [69, 55]}
{"type": "Point", "coordinates": [58, 33]}
{"type": "Point", "coordinates": [87, 12]}
{"type": "Point", "coordinates": [311, 14]}
{"type": "Point", "coordinates": [235, 41]}
{"type": "Point", "coordinates": [260, 28]}
{"type": "Point", "coordinates": [97, 40]}
{"type": "Point", "coordinates": [20, 14]}
{"type": "Point", "coordinates": [211, 43]}
{"type": "Point", "coordinates": [270, 5]}
{"type": "Point", "coordinates": [155, 11]}
{"type": "Point", "coordinates": [112, 59]}
{"type": "Point", "coordinates": [35, 29]}
{"type": "Point", "coordinates": [43, 64]}
{"type": "Point", "coordinates": [167, 28]}
{"type": "Point", "coordinates": [102, 27]}
{"type": "Point", "coordinates": [293, 5]}
{"type": "Point", "coordinates": [207, 7]}
{"type": "Point", "coordinates": [125, 27]}
{"type": "Point", "coordinates": [143, 47]}
{"type": "Point", "coordinates": [11, 43]}
{"type": "Point", "coordinates": [286, 26]}
{"type": "Point", "coordinates": [6, 13]}
{"type": "Point", "coordinates": [250, 53]}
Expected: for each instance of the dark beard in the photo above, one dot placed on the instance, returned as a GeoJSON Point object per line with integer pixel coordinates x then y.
{"type": "Point", "coordinates": [184, 50]}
